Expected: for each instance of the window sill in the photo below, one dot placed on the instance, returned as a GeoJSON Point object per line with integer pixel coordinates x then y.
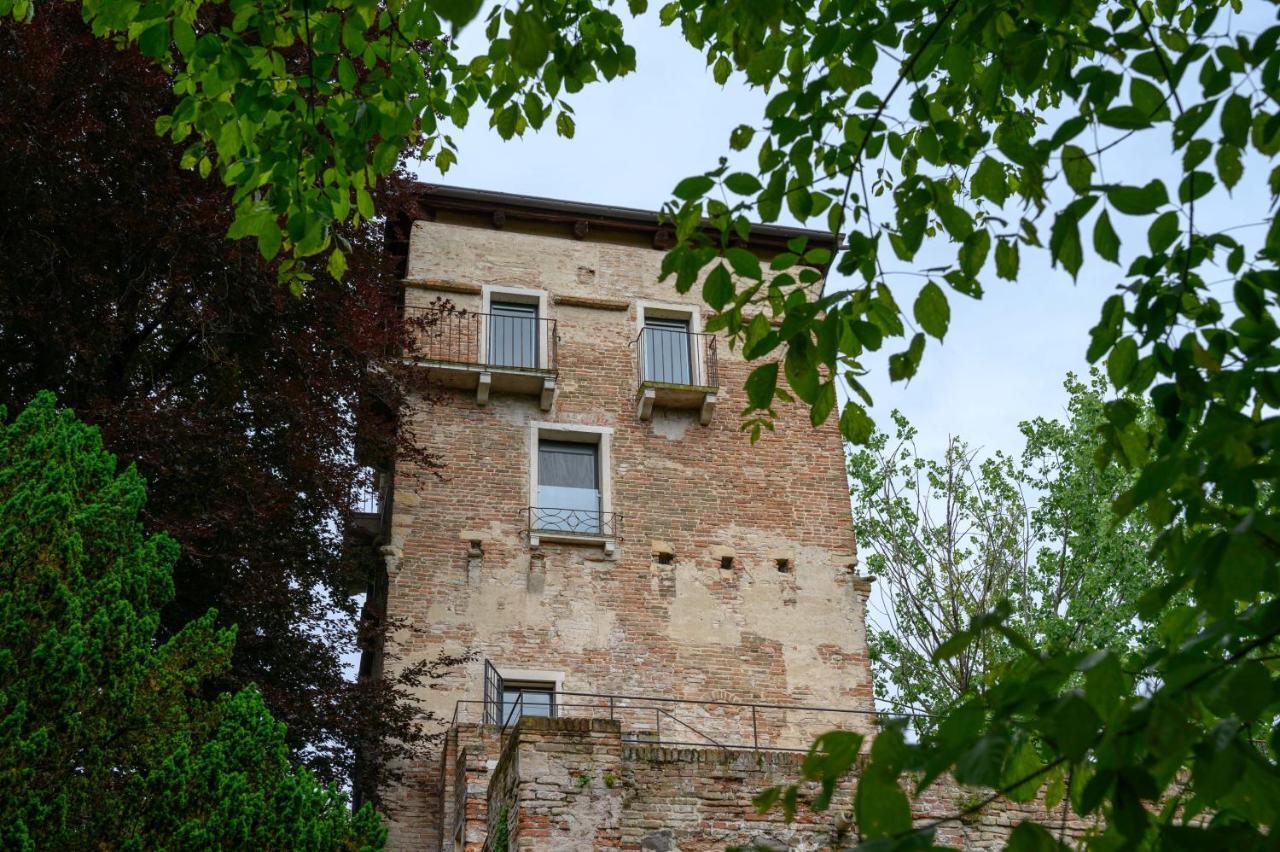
{"type": "Point", "coordinates": [537, 537]}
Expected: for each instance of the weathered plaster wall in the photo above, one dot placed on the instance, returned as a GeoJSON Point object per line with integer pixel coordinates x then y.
{"type": "Point", "coordinates": [626, 623]}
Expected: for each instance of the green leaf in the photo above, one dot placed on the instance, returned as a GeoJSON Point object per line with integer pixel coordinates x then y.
{"type": "Point", "coordinates": [1104, 682]}
{"type": "Point", "coordinates": [564, 125]}
{"type": "Point", "coordinates": [880, 805]}
{"type": "Point", "coordinates": [693, 187]}
{"type": "Point", "coordinates": [744, 263]}
{"type": "Point", "coordinates": [1105, 240]}
{"type": "Point", "coordinates": [855, 424]}
{"type": "Point", "coordinates": [1125, 118]}
{"type": "Point", "coordinates": [1078, 168]}
{"type": "Point", "coordinates": [1149, 99]}
{"type": "Point", "coordinates": [1195, 185]}
{"type": "Point", "coordinates": [347, 76]}
{"type": "Point", "coordinates": [1073, 725]}
{"type": "Point", "coordinates": [982, 762]}
{"type": "Point", "coordinates": [530, 40]}
{"type": "Point", "coordinates": [269, 238]}
{"type": "Point", "coordinates": [742, 183]}
{"type": "Point", "coordinates": [337, 265]}
{"type": "Point", "coordinates": [457, 12]}
{"type": "Point", "coordinates": [1230, 167]}
{"type": "Point", "coordinates": [990, 181]}
{"type": "Point", "coordinates": [717, 289]}
{"type": "Point", "coordinates": [932, 311]}
{"type": "Point", "coordinates": [823, 405]}
{"type": "Point", "coordinates": [1064, 242]}
{"type": "Point", "coordinates": [721, 70]}
{"type": "Point", "coordinates": [1163, 231]}
{"type": "Point", "coordinates": [973, 254]}
{"type": "Point", "coordinates": [958, 222]}
{"type": "Point", "coordinates": [741, 137]}
{"type": "Point", "coordinates": [1121, 361]}
{"type": "Point", "coordinates": [1007, 259]}
{"type": "Point", "coordinates": [1237, 117]}
{"type": "Point", "coordinates": [364, 202]}
{"type": "Point", "coordinates": [761, 384]}
{"type": "Point", "coordinates": [1032, 837]}
{"type": "Point", "coordinates": [1138, 200]}
{"type": "Point", "coordinates": [184, 36]}
{"type": "Point", "coordinates": [154, 40]}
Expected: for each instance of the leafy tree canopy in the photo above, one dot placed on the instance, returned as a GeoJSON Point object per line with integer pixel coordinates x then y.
{"type": "Point", "coordinates": [950, 537]}
{"type": "Point", "coordinates": [105, 741]}
{"type": "Point", "coordinates": [974, 121]}
{"type": "Point", "coordinates": [250, 412]}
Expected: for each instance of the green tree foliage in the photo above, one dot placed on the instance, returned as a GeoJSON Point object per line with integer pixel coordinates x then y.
{"type": "Point", "coordinates": [105, 740]}
{"type": "Point", "coordinates": [303, 106]}
{"type": "Point", "coordinates": [969, 123]}
{"type": "Point", "coordinates": [950, 538]}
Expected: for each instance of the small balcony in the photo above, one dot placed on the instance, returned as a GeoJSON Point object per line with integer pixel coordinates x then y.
{"type": "Point", "coordinates": [676, 369]}
{"type": "Point", "coordinates": [583, 525]}
{"type": "Point", "coordinates": [485, 352]}
{"type": "Point", "coordinates": [369, 502]}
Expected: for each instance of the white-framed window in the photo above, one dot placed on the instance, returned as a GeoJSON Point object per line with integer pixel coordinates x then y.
{"type": "Point", "coordinates": [669, 337]}
{"type": "Point", "coordinates": [570, 483]}
{"type": "Point", "coordinates": [515, 334]}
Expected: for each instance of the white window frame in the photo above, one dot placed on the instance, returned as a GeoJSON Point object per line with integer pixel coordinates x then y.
{"type": "Point", "coordinates": [602, 437]}
{"type": "Point", "coordinates": [676, 311]}
{"type": "Point", "coordinates": [520, 295]}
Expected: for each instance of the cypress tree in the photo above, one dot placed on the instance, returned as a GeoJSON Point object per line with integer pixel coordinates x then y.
{"type": "Point", "coordinates": [106, 739]}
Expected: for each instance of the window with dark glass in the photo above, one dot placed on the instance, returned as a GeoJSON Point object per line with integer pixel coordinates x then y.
{"type": "Point", "coordinates": [513, 334]}
{"type": "Point", "coordinates": [568, 487]}
{"type": "Point", "coordinates": [666, 351]}
{"type": "Point", "coordinates": [527, 699]}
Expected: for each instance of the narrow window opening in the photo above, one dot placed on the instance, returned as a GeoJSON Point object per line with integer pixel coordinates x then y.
{"type": "Point", "coordinates": [666, 558]}
{"type": "Point", "coordinates": [784, 564]}
{"type": "Point", "coordinates": [726, 563]}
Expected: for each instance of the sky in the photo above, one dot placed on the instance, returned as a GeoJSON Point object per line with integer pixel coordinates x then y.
{"type": "Point", "coordinates": [1004, 358]}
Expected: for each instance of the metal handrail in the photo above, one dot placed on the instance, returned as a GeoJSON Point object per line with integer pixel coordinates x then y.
{"type": "Point", "coordinates": [652, 702]}
{"type": "Point", "coordinates": [482, 339]}
{"type": "Point", "coordinates": [371, 501]}
{"type": "Point", "coordinates": [584, 522]}
{"type": "Point", "coordinates": [674, 357]}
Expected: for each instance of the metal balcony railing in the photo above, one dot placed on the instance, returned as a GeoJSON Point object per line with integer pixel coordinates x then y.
{"type": "Point", "coordinates": [573, 522]}
{"type": "Point", "coordinates": [484, 340]}
{"type": "Point", "coordinates": [691, 723]}
{"type": "Point", "coordinates": [370, 493]}
{"type": "Point", "coordinates": [673, 357]}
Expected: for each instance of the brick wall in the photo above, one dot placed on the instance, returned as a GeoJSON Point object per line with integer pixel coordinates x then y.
{"type": "Point", "coordinates": [575, 784]}
{"type": "Point", "coordinates": [626, 622]}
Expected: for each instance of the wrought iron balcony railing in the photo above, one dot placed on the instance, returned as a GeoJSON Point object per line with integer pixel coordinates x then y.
{"type": "Point", "coordinates": [498, 341]}
{"type": "Point", "coordinates": [583, 522]}
{"type": "Point", "coordinates": [670, 356]}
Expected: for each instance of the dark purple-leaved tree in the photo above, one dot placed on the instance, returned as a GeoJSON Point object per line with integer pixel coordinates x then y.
{"type": "Point", "coordinates": [249, 411]}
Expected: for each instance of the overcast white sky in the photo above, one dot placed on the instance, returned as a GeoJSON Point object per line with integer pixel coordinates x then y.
{"type": "Point", "coordinates": [1004, 357]}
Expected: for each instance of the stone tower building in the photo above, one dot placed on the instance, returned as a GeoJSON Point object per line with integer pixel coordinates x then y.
{"type": "Point", "coordinates": [659, 616]}
{"type": "Point", "coordinates": [645, 592]}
